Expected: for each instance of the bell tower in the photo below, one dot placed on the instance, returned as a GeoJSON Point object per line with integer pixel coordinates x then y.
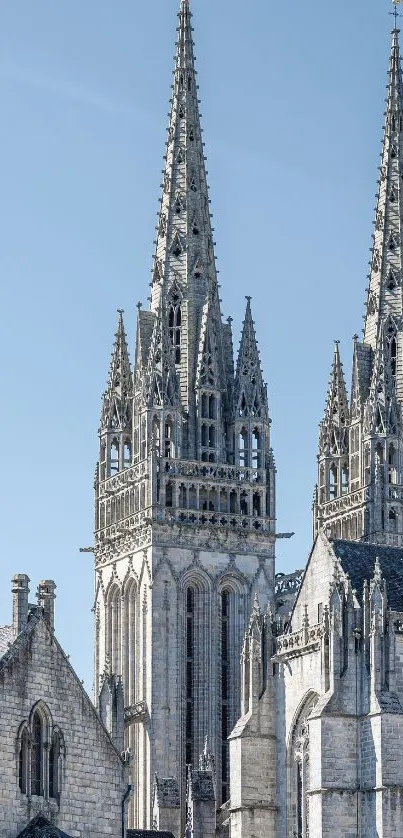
{"type": "Point", "coordinates": [185, 489]}
{"type": "Point", "coordinates": [359, 495]}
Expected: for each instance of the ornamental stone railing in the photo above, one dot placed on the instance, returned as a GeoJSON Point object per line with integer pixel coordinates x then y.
{"type": "Point", "coordinates": [124, 479]}
{"type": "Point", "coordinates": [201, 518]}
{"type": "Point", "coordinates": [299, 642]}
{"type": "Point", "coordinates": [346, 502]}
{"type": "Point", "coordinates": [215, 472]}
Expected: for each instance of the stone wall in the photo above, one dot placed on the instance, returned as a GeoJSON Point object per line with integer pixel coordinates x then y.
{"type": "Point", "coordinates": [93, 779]}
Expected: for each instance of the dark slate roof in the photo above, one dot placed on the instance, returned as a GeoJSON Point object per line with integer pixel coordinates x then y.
{"type": "Point", "coordinates": [144, 833]}
{"type": "Point", "coordinates": [6, 637]}
{"type": "Point", "coordinates": [358, 560]}
{"type": "Point", "coordinates": [40, 827]}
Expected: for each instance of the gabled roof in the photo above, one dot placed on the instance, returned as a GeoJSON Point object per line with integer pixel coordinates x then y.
{"type": "Point", "coordinates": [36, 617]}
{"type": "Point", "coordinates": [358, 560]}
{"type": "Point", "coordinates": [6, 637]}
{"type": "Point", "coordinates": [40, 827]}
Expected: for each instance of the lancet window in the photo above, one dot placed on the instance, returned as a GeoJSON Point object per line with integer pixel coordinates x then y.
{"type": "Point", "coordinates": [392, 471]}
{"type": "Point", "coordinates": [40, 754]}
{"type": "Point", "coordinates": [114, 628]}
{"type": "Point", "coordinates": [127, 453]}
{"type": "Point", "coordinates": [189, 675]}
{"type": "Point", "coordinates": [174, 324]}
{"type": "Point", "coordinates": [333, 482]}
{"type": "Point", "coordinates": [114, 462]}
{"type": "Point", "coordinates": [129, 600]}
{"type": "Point", "coordinates": [225, 695]}
{"type": "Point", "coordinates": [169, 441]}
{"type": "Point", "coordinates": [299, 764]}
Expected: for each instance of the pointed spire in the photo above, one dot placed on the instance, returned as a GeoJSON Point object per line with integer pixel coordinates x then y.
{"type": "Point", "coordinates": [333, 437]}
{"type": "Point", "coordinates": [116, 413]}
{"type": "Point", "coordinates": [184, 247]}
{"type": "Point", "coordinates": [250, 396]}
{"type": "Point", "coordinates": [160, 380]}
{"type": "Point", "coordinates": [382, 412]}
{"type": "Point", "coordinates": [384, 296]}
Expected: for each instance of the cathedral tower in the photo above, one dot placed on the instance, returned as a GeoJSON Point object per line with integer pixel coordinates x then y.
{"type": "Point", "coordinates": [185, 489]}
{"type": "Point", "coordinates": [359, 495]}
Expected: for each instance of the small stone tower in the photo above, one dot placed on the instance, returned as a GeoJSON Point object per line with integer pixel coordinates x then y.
{"type": "Point", "coordinates": [359, 495]}
{"type": "Point", "coordinates": [185, 488]}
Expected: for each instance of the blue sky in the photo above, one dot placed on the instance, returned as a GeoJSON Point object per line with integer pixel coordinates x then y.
{"type": "Point", "coordinates": [292, 100]}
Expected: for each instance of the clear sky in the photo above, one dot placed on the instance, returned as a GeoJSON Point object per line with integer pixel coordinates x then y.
{"type": "Point", "coordinates": [292, 100]}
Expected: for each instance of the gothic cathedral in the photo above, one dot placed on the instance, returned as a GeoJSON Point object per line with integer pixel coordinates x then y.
{"type": "Point", "coordinates": [307, 732]}
{"type": "Point", "coordinates": [185, 488]}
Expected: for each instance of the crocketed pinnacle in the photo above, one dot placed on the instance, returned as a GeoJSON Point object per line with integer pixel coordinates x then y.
{"type": "Point", "coordinates": [116, 411]}
{"type": "Point", "coordinates": [333, 437]}
{"type": "Point", "coordinates": [250, 396]}
{"type": "Point", "coordinates": [184, 247]}
{"type": "Point", "coordinates": [385, 279]}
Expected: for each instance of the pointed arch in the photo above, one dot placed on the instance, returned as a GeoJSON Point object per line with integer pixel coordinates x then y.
{"type": "Point", "coordinates": [298, 768]}
{"type": "Point", "coordinates": [114, 625]}
{"type": "Point", "coordinates": [174, 315]}
{"type": "Point", "coordinates": [23, 740]}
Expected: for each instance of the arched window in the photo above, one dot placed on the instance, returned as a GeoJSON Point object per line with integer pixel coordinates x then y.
{"type": "Point", "coordinates": [392, 520]}
{"type": "Point", "coordinates": [393, 356]}
{"type": "Point", "coordinates": [114, 629]}
{"type": "Point", "coordinates": [244, 504]}
{"type": "Point", "coordinates": [37, 755]}
{"type": "Point", "coordinates": [23, 756]}
{"type": "Point", "coordinates": [257, 505]}
{"type": "Point", "coordinates": [127, 453]}
{"type": "Point", "coordinates": [189, 675]}
{"type": "Point", "coordinates": [156, 432]}
{"type": "Point", "coordinates": [54, 766]}
{"type": "Point", "coordinates": [174, 324]}
{"type": "Point", "coordinates": [243, 448]}
{"type": "Point", "coordinates": [103, 461]}
{"type": "Point", "coordinates": [130, 631]}
{"type": "Point", "coordinates": [225, 696]}
{"type": "Point", "coordinates": [256, 449]}
{"type": "Point", "coordinates": [212, 407]}
{"type": "Point", "coordinates": [115, 456]}
{"type": "Point", "coordinates": [299, 772]}
{"type": "Point", "coordinates": [344, 480]}
{"type": "Point", "coordinates": [204, 406]}
{"type": "Point", "coordinates": [169, 495]}
{"type": "Point", "coordinates": [169, 452]}
{"type": "Point", "coordinates": [40, 751]}
{"type": "Point", "coordinates": [143, 445]}
{"type": "Point", "coordinates": [204, 435]}
{"type": "Point", "coordinates": [392, 472]}
{"type": "Point", "coordinates": [333, 482]}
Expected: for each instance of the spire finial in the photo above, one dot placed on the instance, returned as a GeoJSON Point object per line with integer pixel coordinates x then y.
{"type": "Point", "coordinates": [395, 13]}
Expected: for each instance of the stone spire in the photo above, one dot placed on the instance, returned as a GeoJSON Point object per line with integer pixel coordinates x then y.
{"type": "Point", "coordinates": [385, 279]}
{"type": "Point", "coordinates": [116, 412]}
{"type": "Point", "coordinates": [250, 396]}
{"type": "Point", "coordinates": [184, 248]}
{"type": "Point", "coordinates": [333, 436]}
{"type": "Point", "coordinates": [116, 417]}
{"type": "Point", "coordinates": [359, 495]}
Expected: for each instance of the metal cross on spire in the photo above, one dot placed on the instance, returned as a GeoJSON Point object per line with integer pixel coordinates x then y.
{"type": "Point", "coordinates": [395, 13]}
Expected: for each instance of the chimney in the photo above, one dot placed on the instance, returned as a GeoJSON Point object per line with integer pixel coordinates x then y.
{"type": "Point", "coordinates": [46, 600]}
{"type": "Point", "coordinates": [20, 591]}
